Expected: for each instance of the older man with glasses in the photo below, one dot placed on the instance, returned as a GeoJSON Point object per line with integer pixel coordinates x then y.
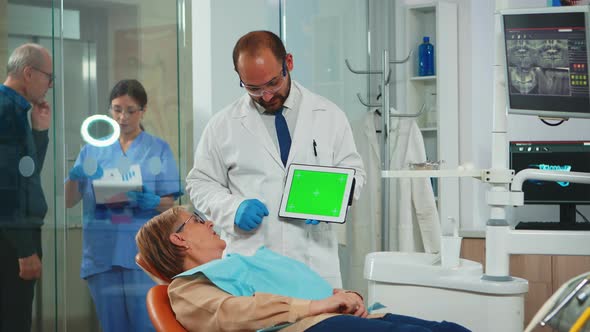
{"type": "Point", "coordinates": [244, 153]}
{"type": "Point", "coordinates": [25, 118]}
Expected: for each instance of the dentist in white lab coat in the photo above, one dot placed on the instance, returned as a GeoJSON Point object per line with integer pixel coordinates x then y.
{"type": "Point", "coordinates": [241, 161]}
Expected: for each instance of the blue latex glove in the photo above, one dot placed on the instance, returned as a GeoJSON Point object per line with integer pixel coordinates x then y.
{"type": "Point", "coordinates": [77, 173]}
{"type": "Point", "coordinates": [311, 222]}
{"type": "Point", "coordinates": [250, 214]}
{"type": "Point", "coordinates": [145, 200]}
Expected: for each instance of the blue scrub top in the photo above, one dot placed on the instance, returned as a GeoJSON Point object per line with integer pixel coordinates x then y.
{"type": "Point", "coordinates": [109, 233]}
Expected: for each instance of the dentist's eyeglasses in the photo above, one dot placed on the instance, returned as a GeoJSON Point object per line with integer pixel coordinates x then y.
{"type": "Point", "coordinates": [271, 86]}
{"type": "Point", "coordinates": [194, 216]}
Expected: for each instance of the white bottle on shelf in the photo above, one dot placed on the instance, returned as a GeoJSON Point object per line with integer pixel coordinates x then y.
{"type": "Point", "coordinates": [430, 115]}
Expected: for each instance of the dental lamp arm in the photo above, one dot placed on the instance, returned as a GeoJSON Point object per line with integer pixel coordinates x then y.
{"type": "Point", "coordinates": [537, 174]}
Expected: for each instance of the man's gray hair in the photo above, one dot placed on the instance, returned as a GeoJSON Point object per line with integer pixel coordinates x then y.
{"type": "Point", "coordinates": [25, 55]}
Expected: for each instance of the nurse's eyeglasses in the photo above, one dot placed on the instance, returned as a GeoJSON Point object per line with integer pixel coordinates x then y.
{"type": "Point", "coordinates": [194, 216]}
{"type": "Point", "coordinates": [271, 86]}
{"type": "Point", "coordinates": [130, 111]}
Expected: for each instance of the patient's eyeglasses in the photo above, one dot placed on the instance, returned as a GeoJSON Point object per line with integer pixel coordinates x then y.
{"type": "Point", "coordinates": [195, 216]}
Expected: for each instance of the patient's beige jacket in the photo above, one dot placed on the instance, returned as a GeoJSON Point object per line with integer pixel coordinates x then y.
{"type": "Point", "coordinates": [200, 306]}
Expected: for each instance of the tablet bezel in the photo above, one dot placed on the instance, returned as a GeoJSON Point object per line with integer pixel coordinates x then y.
{"type": "Point", "coordinates": [348, 190]}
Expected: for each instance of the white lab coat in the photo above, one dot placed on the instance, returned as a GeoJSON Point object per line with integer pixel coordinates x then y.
{"type": "Point", "coordinates": [365, 237]}
{"type": "Point", "coordinates": [236, 159]}
{"type": "Point", "coordinates": [413, 215]}
{"type": "Point", "coordinates": [417, 227]}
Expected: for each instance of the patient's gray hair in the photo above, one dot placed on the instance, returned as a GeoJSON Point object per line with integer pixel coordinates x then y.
{"type": "Point", "coordinates": [25, 55]}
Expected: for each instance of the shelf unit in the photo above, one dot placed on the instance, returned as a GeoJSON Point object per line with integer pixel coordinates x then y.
{"type": "Point", "coordinates": [439, 122]}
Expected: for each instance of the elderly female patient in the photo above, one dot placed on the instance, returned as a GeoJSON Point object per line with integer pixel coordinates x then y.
{"type": "Point", "coordinates": [248, 293]}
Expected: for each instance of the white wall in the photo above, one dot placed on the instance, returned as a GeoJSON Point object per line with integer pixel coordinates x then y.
{"type": "Point", "coordinates": [35, 21]}
{"type": "Point", "coordinates": [475, 103]}
{"type": "Point", "coordinates": [308, 26]}
{"type": "Point", "coordinates": [217, 25]}
{"type": "Point", "coordinates": [320, 35]}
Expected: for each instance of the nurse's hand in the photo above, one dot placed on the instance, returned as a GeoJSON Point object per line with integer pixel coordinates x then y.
{"type": "Point", "coordinates": [311, 222]}
{"type": "Point", "coordinates": [250, 214]}
{"type": "Point", "coordinates": [77, 173]}
{"type": "Point", "coordinates": [145, 200]}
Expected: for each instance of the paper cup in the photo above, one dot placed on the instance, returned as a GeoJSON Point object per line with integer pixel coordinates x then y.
{"type": "Point", "coordinates": [450, 247]}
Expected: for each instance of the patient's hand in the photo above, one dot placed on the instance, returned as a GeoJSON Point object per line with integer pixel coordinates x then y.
{"type": "Point", "coordinates": [340, 302]}
{"type": "Point", "coordinates": [340, 290]}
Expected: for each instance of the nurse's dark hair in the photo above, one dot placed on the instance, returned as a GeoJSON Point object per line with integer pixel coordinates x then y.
{"type": "Point", "coordinates": [253, 42]}
{"type": "Point", "coordinates": [131, 88]}
{"type": "Point", "coordinates": [154, 245]}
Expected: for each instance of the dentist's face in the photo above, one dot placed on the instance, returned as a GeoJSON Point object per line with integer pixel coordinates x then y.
{"type": "Point", "coordinates": [264, 78]}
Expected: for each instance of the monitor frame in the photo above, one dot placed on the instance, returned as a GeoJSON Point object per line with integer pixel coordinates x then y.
{"type": "Point", "coordinates": [567, 208]}
{"type": "Point", "coordinates": [547, 113]}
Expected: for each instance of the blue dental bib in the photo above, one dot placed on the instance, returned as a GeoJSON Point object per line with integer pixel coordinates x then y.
{"type": "Point", "coordinates": [264, 272]}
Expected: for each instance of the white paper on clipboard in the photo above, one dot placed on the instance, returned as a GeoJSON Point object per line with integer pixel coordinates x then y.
{"type": "Point", "coordinates": [111, 188]}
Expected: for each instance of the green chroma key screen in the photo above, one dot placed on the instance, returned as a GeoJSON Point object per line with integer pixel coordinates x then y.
{"type": "Point", "coordinates": [314, 192]}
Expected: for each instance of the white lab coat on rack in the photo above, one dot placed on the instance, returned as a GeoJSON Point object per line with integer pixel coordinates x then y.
{"type": "Point", "coordinates": [414, 220]}
{"type": "Point", "coordinates": [414, 215]}
{"type": "Point", "coordinates": [364, 237]}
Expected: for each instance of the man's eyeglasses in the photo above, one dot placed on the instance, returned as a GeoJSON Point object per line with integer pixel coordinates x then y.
{"type": "Point", "coordinates": [130, 110]}
{"type": "Point", "coordinates": [271, 86]}
{"type": "Point", "coordinates": [50, 77]}
{"type": "Point", "coordinates": [194, 216]}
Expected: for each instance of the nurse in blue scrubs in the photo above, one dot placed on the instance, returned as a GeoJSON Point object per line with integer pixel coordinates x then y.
{"type": "Point", "coordinates": [117, 285]}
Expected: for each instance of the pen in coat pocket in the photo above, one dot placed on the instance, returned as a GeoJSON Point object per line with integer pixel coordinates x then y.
{"type": "Point", "coordinates": [315, 151]}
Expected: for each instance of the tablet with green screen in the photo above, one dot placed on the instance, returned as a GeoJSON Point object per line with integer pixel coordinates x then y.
{"type": "Point", "coordinates": [317, 192]}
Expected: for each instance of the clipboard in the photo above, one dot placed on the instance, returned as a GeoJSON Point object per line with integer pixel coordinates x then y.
{"type": "Point", "coordinates": [111, 188]}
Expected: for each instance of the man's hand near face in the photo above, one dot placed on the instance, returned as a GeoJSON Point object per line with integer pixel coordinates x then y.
{"type": "Point", "coordinates": [41, 116]}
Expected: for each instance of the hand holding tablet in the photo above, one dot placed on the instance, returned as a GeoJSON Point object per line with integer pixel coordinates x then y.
{"type": "Point", "coordinates": [112, 186]}
{"type": "Point", "coordinates": [317, 192]}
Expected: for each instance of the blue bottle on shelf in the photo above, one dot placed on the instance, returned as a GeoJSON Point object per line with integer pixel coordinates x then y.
{"type": "Point", "coordinates": [426, 58]}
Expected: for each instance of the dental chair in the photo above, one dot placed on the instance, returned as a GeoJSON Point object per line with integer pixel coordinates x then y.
{"type": "Point", "coordinates": [568, 309]}
{"type": "Point", "coordinates": [158, 304]}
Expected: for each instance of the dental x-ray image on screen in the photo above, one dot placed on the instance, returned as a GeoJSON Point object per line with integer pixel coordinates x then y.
{"type": "Point", "coordinates": [547, 62]}
{"type": "Point", "coordinates": [538, 67]}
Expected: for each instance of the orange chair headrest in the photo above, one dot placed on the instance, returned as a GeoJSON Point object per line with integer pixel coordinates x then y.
{"type": "Point", "coordinates": [151, 271]}
{"type": "Point", "coordinates": [160, 312]}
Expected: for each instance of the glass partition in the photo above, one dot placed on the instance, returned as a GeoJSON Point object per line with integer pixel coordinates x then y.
{"type": "Point", "coordinates": [321, 35]}
{"type": "Point", "coordinates": [95, 44]}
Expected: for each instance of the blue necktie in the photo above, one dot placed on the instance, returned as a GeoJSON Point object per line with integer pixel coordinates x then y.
{"type": "Point", "coordinates": [283, 135]}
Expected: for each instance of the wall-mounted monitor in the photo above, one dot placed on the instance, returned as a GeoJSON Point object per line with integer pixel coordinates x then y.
{"type": "Point", "coordinates": [547, 61]}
